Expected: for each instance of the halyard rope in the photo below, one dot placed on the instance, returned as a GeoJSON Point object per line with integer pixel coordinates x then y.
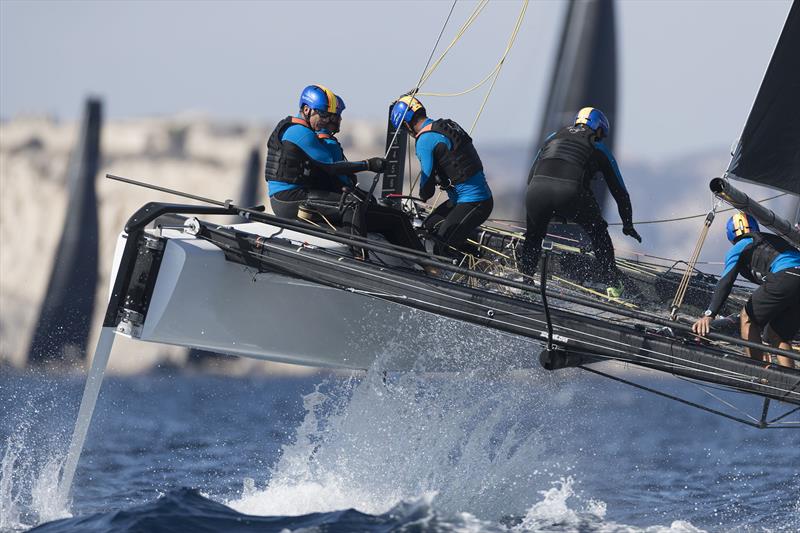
{"type": "Point", "coordinates": [422, 76]}
{"type": "Point", "coordinates": [690, 266]}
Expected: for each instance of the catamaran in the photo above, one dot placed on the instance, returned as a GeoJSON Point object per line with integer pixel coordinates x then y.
{"type": "Point", "coordinates": [294, 291]}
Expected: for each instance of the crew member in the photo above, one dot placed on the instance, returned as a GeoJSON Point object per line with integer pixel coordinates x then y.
{"type": "Point", "coordinates": [770, 262]}
{"type": "Point", "coordinates": [448, 159]}
{"type": "Point", "coordinates": [297, 161]}
{"type": "Point", "coordinates": [366, 216]}
{"type": "Point", "coordinates": [559, 185]}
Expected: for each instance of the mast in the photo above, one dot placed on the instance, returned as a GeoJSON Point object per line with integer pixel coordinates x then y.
{"type": "Point", "coordinates": [585, 71]}
{"type": "Point", "coordinates": [248, 193]}
{"type": "Point", "coordinates": [62, 330]}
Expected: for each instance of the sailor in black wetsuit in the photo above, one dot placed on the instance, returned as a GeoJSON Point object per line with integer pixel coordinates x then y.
{"type": "Point", "coordinates": [558, 185]}
{"type": "Point", "coordinates": [298, 163]}
{"type": "Point", "coordinates": [770, 262]}
{"type": "Point", "coordinates": [367, 217]}
{"type": "Point", "coordinates": [447, 158]}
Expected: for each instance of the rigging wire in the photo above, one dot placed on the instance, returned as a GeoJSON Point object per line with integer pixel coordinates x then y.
{"type": "Point", "coordinates": [680, 293]}
{"type": "Point", "coordinates": [675, 398]}
{"type": "Point", "coordinates": [502, 61]}
{"type": "Point", "coordinates": [677, 362]}
{"type": "Point", "coordinates": [422, 76]}
{"type": "Point", "coordinates": [495, 70]}
{"type": "Point", "coordinates": [427, 72]}
{"type": "Point", "coordinates": [659, 221]}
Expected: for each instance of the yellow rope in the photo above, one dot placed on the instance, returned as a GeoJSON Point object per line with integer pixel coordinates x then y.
{"type": "Point", "coordinates": [458, 36]}
{"type": "Point", "coordinates": [502, 61]}
{"type": "Point", "coordinates": [496, 69]}
{"type": "Point", "coordinates": [596, 293]}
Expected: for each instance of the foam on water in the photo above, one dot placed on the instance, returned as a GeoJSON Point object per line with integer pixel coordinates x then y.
{"type": "Point", "coordinates": [486, 440]}
{"type": "Point", "coordinates": [471, 438]}
{"type": "Point", "coordinates": [29, 483]}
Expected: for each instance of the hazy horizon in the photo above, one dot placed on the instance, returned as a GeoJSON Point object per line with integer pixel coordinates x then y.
{"type": "Point", "coordinates": [689, 71]}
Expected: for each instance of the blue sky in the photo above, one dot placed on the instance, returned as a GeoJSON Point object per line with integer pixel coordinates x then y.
{"type": "Point", "coordinates": [689, 70]}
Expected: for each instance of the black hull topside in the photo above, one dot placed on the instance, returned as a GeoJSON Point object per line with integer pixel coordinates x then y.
{"type": "Point", "coordinates": [582, 332]}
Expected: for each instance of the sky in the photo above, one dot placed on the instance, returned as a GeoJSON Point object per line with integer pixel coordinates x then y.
{"type": "Point", "coordinates": [689, 70]}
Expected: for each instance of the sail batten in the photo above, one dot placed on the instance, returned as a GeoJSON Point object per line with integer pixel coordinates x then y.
{"type": "Point", "coordinates": [768, 151]}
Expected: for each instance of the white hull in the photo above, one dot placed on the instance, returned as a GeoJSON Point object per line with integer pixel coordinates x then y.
{"type": "Point", "coordinates": [203, 301]}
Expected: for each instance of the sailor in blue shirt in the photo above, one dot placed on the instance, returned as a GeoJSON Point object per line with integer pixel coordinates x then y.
{"type": "Point", "coordinates": [298, 162]}
{"type": "Point", "coordinates": [448, 159]}
{"type": "Point", "coordinates": [770, 262]}
{"type": "Point", "coordinates": [559, 185]}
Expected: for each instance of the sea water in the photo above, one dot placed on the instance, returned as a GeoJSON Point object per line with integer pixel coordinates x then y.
{"type": "Point", "coordinates": [491, 449]}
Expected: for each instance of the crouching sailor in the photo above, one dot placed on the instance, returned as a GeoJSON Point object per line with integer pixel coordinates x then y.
{"type": "Point", "coordinates": [774, 265]}
{"type": "Point", "coordinates": [298, 162]}
{"type": "Point", "coordinates": [448, 159]}
{"type": "Point", "coordinates": [559, 185]}
{"type": "Point", "coordinates": [366, 216]}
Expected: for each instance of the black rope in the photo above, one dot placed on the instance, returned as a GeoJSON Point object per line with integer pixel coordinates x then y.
{"type": "Point", "coordinates": [784, 415]}
{"type": "Point", "coordinates": [686, 402]}
{"type": "Point", "coordinates": [543, 288]}
{"type": "Point", "coordinates": [676, 219]}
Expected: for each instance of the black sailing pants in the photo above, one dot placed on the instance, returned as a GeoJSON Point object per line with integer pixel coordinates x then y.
{"type": "Point", "coordinates": [355, 218]}
{"type": "Point", "coordinates": [451, 224]}
{"type": "Point", "coordinates": [547, 197]}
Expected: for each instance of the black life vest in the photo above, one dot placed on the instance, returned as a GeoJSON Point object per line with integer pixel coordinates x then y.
{"type": "Point", "coordinates": [762, 252]}
{"type": "Point", "coordinates": [573, 145]}
{"type": "Point", "coordinates": [461, 161]}
{"type": "Point", "coordinates": [288, 164]}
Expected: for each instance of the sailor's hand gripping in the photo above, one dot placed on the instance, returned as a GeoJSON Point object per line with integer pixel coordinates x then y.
{"type": "Point", "coordinates": [702, 326]}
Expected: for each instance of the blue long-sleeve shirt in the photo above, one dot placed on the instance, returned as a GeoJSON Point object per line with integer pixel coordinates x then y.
{"type": "Point", "coordinates": [335, 151]}
{"type": "Point", "coordinates": [735, 263]}
{"type": "Point", "coordinates": [307, 140]}
{"type": "Point", "coordinates": [474, 189]}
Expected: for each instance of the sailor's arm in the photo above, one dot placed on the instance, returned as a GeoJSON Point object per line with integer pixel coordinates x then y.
{"type": "Point", "coordinates": [343, 168]}
{"type": "Point", "coordinates": [307, 141]}
{"type": "Point", "coordinates": [427, 162]}
{"type": "Point", "coordinates": [729, 274]}
{"type": "Point", "coordinates": [723, 289]}
{"type": "Point", "coordinates": [613, 177]}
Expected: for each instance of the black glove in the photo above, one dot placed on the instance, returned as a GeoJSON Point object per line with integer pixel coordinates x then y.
{"type": "Point", "coordinates": [628, 230]}
{"type": "Point", "coordinates": [375, 164]}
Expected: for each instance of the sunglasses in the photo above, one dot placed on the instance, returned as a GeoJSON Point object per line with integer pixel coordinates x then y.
{"type": "Point", "coordinates": [324, 115]}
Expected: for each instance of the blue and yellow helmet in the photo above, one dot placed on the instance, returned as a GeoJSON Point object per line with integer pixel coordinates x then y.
{"type": "Point", "coordinates": [321, 98]}
{"type": "Point", "coordinates": [594, 119]}
{"type": "Point", "coordinates": [739, 225]}
{"type": "Point", "coordinates": [403, 110]}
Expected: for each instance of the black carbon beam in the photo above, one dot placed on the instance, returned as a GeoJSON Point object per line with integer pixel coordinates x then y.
{"type": "Point", "coordinates": [574, 332]}
{"type": "Point", "coordinates": [396, 143]}
{"type": "Point", "coordinates": [766, 217]}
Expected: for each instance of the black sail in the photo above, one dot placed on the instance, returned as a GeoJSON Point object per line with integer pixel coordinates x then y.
{"type": "Point", "coordinates": [248, 192]}
{"type": "Point", "coordinates": [585, 71]}
{"type": "Point", "coordinates": [768, 151]}
{"type": "Point", "coordinates": [62, 330]}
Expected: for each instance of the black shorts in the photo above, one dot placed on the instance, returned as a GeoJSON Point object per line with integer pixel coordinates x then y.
{"type": "Point", "coordinates": [777, 303]}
